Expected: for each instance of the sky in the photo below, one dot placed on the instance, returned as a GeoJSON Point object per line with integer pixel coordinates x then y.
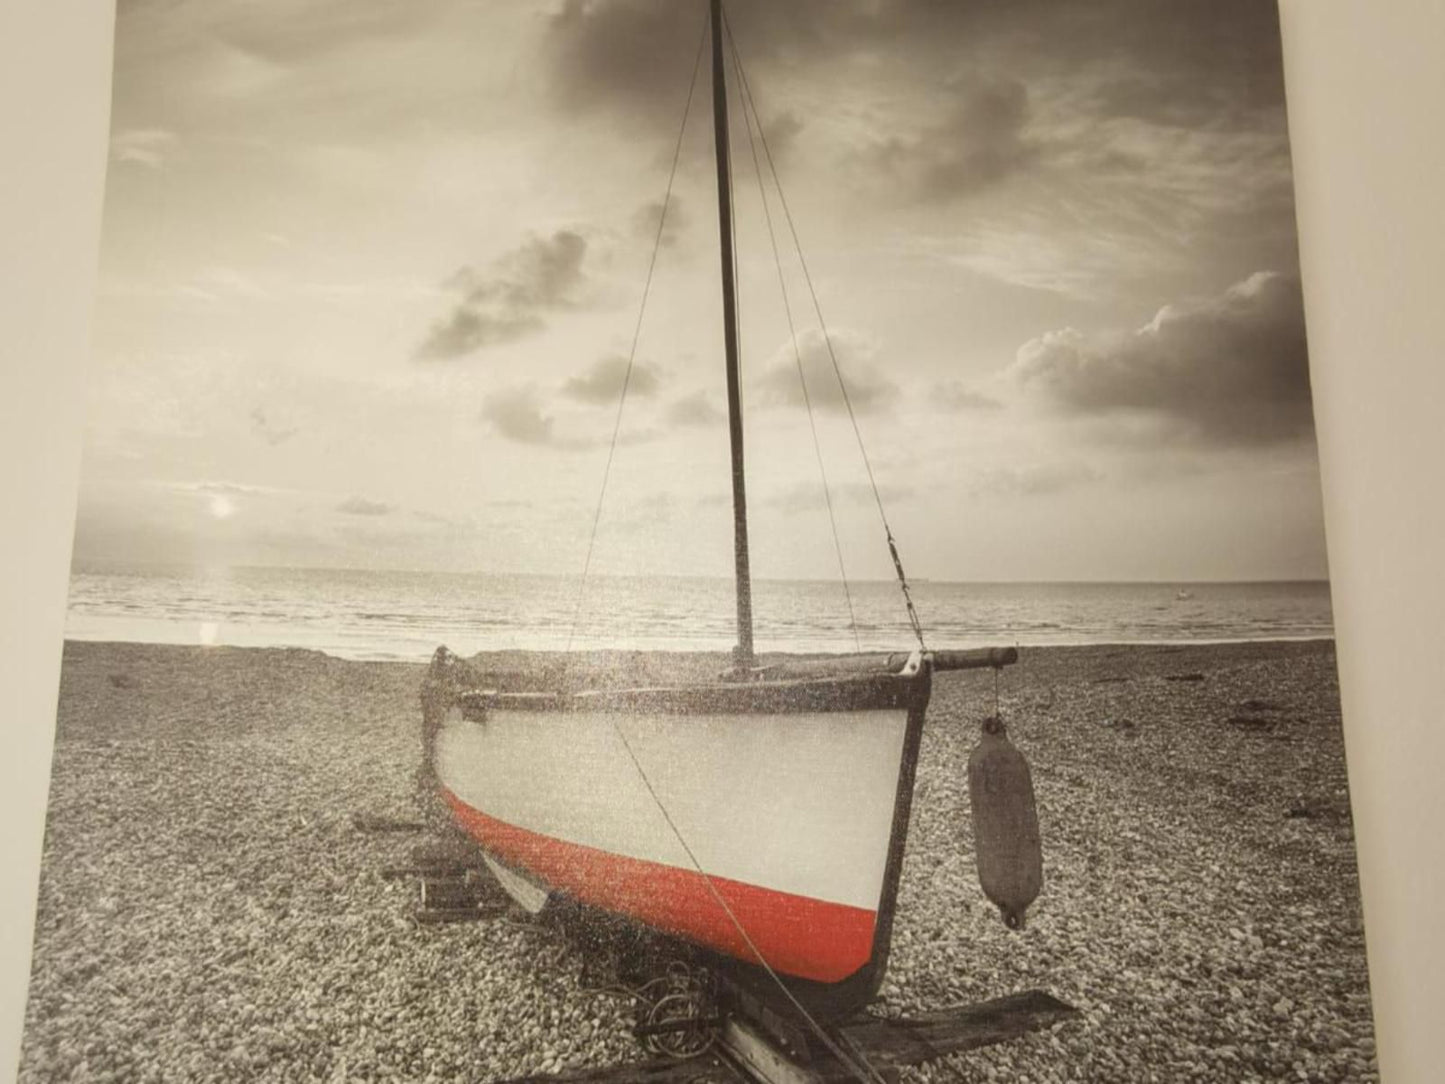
{"type": "Point", "coordinates": [371, 275]}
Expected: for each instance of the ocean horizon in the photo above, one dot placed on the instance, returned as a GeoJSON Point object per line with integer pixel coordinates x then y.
{"type": "Point", "coordinates": [405, 615]}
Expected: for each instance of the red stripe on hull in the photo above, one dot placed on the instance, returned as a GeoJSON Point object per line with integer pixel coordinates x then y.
{"type": "Point", "coordinates": [797, 935]}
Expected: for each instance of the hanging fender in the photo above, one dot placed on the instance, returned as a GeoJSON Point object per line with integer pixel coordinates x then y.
{"type": "Point", "coordinates": [1005, 824]}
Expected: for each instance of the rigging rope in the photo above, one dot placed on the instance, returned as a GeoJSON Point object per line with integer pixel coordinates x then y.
{"type": "Point", "coordinates": [632, 352]}
{"type": "Point", "coordinates": [854, 1062]}
{"type": "Point", "coordinates": [748, 113]}
{"type": "Point", "coordinates": [832, 357]}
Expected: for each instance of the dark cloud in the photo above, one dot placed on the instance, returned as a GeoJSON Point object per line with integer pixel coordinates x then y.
{"type": "Point", "coordinates": [941, 101]}
{"type": "Point", "coordinates": [629, 50]}
{"type": "Point", "coordinates": [637, 53]}
{"type": "Point", "coordinates": [979, 141]}
{"type": "Point", "coordinates": [1232, 369]}
{"type": "Point", "coordinates": [1183, 63]}
{"type": "Point", "coordinates": [782, 132]}
{"type": "Point", "coordinates": [517, 414]}
{"type": "Point", "coordinates": [695, 409]}
{"type": "Point", "coordinates": [1186, 65]}
{"type": "Point", "coordinates": [782, 129]}
{"type": "Point", "coordinates": [511, 298]}
{"type": "Point", "coordinates": [1187, 62]}
{"type": "Point", "coordinates": [645, 222]}
{"type": "Point", "coordinates": [602, 383]}
{"type": "Point", "coordinates": [869, 389]}
{"type": "Point", "coordinates": [361, 506]}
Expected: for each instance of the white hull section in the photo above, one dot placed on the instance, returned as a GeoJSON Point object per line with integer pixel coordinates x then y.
{"type": "Point", "coordinates": [800, 804]}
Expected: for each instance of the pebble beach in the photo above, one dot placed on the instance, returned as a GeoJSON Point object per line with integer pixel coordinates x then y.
{"type": "Point", "coordinates": [209, 909]}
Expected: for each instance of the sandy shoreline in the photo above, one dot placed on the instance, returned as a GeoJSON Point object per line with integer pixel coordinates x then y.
{"type": "Point", "coordinates": [208, 911]}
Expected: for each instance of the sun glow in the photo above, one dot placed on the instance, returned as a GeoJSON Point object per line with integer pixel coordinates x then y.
{"type": "Point", "coordinates": [222, 507]}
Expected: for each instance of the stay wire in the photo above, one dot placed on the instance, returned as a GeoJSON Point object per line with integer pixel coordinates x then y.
{"type": "Point", "coordinates": [749, 116]}
{"type": "Point", "coordinates": [632, 352]}
{"type": "Point", "coordinates": [837, 369]}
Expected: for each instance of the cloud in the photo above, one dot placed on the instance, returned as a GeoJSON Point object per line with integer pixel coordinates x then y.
{"type": "Point", "coordinates": [978, 142]}
{"type": "Point", "coordinates": [511, 298]}
{"type": "Point", "coordinates": [869, 389]}
{"type": "Point", "coordinates": [611, 49]}
{"type": "Point", "coordinates": [142, 146]}
{"type": "Point", "coordinates": [1231, 369]}
{"type": "Point", "coordinates": [602, 383]}
{"type": "Point", "coordinates": [956, 395]}
{"type": "Point", "coordinates": [636, 54]}
{"type": "Point", "coordinates": [1185, 66]}
{"type": "Point", "coordinates": [1034, 479]}
{"type": "Point", "coordinates": [782, 131]}
{"type": "Point", "coordinates": [1042, 252]}
{"type": "Point", "coordinates": [360, 506]}
{"type": "Point", "coordinates": [645, 221]}
{"type": "Point", "coordinates": [516, 414]}
{"type": "Point", "coordinates": [695, 409]}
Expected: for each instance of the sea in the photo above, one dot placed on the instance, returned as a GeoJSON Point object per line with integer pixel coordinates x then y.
{"type": "Point", "coordinates": [358, 614]}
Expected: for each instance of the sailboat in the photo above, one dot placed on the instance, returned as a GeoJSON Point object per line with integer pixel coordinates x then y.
{"type": "Point", "coordinates": [757, 817]}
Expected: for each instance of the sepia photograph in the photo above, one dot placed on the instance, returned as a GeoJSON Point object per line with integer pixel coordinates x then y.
{"type": "Point", "coordinates": [631, 540]}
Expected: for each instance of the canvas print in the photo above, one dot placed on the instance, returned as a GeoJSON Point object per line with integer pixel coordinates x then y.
{"type": "Point", "coordinates": [686, 540]}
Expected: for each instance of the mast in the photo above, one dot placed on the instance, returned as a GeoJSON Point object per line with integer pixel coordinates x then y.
{"type": "Point", "coordinates": [743, 653]}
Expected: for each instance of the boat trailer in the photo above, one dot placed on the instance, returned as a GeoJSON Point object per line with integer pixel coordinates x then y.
{"type": "Point", "coordinates": [700, 1029]}
{"type": "Point", "coordinates": [886, 1046]}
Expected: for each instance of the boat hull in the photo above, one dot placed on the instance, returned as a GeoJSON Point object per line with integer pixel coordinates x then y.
{"type": "Point", "coordinates": [762, 822]}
